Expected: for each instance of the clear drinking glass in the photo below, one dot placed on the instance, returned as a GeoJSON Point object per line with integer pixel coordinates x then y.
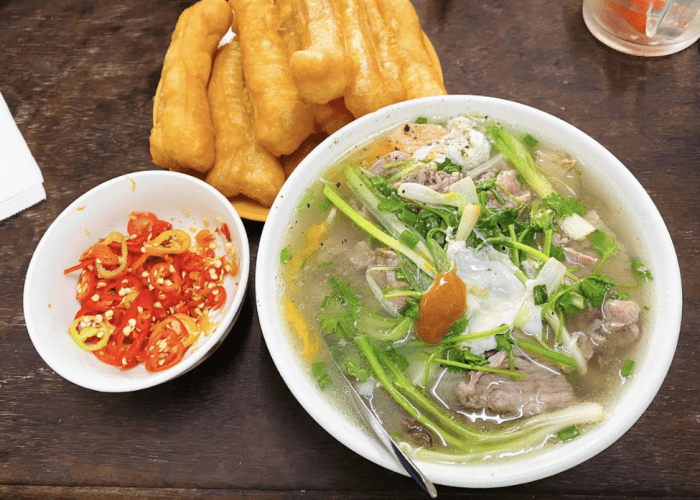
{"type": "Point", "coordinates": [644, 27]}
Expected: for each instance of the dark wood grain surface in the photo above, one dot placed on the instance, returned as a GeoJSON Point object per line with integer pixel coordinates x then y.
{"type": "Point", "coordinates": [79, 77]}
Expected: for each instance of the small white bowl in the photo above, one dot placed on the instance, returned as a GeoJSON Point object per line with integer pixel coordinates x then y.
{"type": "Point", "coordinates": [49, 295]}
{"type": "Point", "coordinates": [626, 197]}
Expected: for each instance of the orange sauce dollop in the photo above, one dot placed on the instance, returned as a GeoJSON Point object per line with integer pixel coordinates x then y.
{"type": "Point", "coordinates": [443, 304]}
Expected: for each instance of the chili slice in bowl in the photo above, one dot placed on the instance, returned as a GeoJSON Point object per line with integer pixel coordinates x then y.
{"type": "Point", "coordinates": [145, 296]}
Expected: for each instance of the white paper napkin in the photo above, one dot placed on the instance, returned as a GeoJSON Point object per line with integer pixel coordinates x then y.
{"type": "Point", "coordinates": [21, 182]}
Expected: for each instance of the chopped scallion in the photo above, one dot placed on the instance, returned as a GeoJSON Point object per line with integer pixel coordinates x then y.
{"type": "Point", "coordinates": [627, 368]}
{"type": "Point", "coordinates": [530, 141]}
{"type": "Point", "coordinates": [285, 255]}
{"type": "Point", "coordinates": [568, 433]}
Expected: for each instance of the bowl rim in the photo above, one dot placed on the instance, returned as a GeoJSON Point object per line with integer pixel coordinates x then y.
{"type": "Point", "coordinates": [544, 463]}
{"type": "Point", "coordinates": [124, 384]}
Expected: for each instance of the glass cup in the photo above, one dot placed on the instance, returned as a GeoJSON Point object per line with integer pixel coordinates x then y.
{"type": "Point", "coordinates": [644, 27]}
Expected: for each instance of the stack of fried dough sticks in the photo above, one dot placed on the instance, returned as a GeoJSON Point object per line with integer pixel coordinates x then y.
{"type": "Point", "coordinates": [242, 114]}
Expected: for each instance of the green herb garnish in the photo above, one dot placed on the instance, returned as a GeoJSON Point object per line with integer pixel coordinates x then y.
{"type": "Point", "coordinates": [285, 255]}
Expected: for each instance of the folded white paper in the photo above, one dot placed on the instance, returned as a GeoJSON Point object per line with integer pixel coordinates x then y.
{"type": "Point", "coordinates": [21, 182]}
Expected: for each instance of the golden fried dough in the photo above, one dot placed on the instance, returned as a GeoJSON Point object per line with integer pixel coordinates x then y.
{"type": "Point", "coordinates": [322, 67]}
{"type": "Point", "coordinates": [242, 165]}
{"type": "Point", "coordinates": [387, 59]}
{"type": "Point", "coordinates": [434, 59]}
{"type": "Point", "coordinates": [282, 119]}
{"type": "Point", "coordinates": [368, 89]}
{"type": "Point", "coordinates": [419, 75]}
{"type": "Point", "coordinates": [333, 116]}
{"type": "Point", "coordinates": [289, 25]}
{"type": "Point", "coordinates": [182, 137]}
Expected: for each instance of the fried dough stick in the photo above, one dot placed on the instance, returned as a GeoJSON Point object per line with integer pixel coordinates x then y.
{"type": "Point", "coordinates": [419, 75]}
{"type": "Point", "coordinates": [182, 137]}
{"type": "Point", "coordinates": [368, 89]}
{"type": "Point", "coordinates": [289, 25]}
{"type": "Point", "coordinates": [388, 61]}
{"type": "Point", "coordinates": [242, 165]}
{"type": "Point", "coordinates": [322, 67]}
{"type": "Point", "coordinates": [282, 119]}
{"type": "Point", "coordinates": [333, 116]}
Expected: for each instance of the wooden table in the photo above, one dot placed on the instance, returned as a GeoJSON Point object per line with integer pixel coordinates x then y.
{"type": "Point", "coordinates": [79, 77]}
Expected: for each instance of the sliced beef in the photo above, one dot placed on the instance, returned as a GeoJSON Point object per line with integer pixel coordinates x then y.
{"type": "Point", "coordinates": [377, 167]}
{"type": "Point", "coordinates": [418, 434]}
{"type": "Point", "coordinates": [363, 256]}
{"type": "Point", "coordinates": [509, 181]}
{"type": "Point", "coordinates": [580, 258]}
{"type": "Point", "coordinates": [620, 314]}
{"type": "Point", "coordinates": [620, 322]}
{"type": "Point", "coordinates": [544, 388]}
{"type": "Point", "coordinates": [434, 179]}
{"type": "Point", "coordinates": [617, 324]}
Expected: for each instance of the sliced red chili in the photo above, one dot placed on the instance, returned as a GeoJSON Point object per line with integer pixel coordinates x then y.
{"type": "Point", "coordinates": [224, 231]}
{"type": "Point", "coordinates": [165, 277]}
{"type": "Point", "coordinates": [133, 328]}
{"type": "Point", "coordinates": [103, 253]}
{"type": "Point", "coordinates": [108, 354]}
{"type": "Point", "coordinates": [163, 350]}
{"type": "Point", "coordinates": [83, 265]}
{"type": "Point", "coordinates": [191, 262]}
{"type": "Point", "coordinates": [159, 227]}
{"type": "Point", "coordinates": [175, 280]}
{"type": "Point", "coordinates": [217, 297]}
{"type": "Point", "coordinates": [86, 311]}
{"type": "Point", "coordinates": [141, 223]}
{"type": "Point", "coordinates": [204, 238]}
{"type": "Point", "coordinates": [86, 285]}
{"type": "Point", "coordinates": [129, 282]}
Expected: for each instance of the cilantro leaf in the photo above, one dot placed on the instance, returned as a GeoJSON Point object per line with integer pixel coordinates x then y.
{"type": "Point", "coordinates": [557, 253]}
{"type": "Point", "coordinates": [540, 294]}
{"type": "Point", "coordinates": [464, 356]}
{"type": "Point", "coordinates": [353, 368]}
{"type": "Point", "coordinates": [641, 272]}
{"type": "Point", "coordinates": [504, 342]}
{"type": "Point", "coordinates": [318, 371]}
{"type": "Point", "coordinates": [571, 302]}
{"type": "Point", "coordinates": [595, 287]}
{"type": "Point", "coordinates": [603, 244]}
{"type": "Point", "coordinates": [563, 206]}
{"type": "Point", "coordinates": [541, 218]}
{"type": "Point", "coordinates": [457, 327]}
{"type": "Point", "coordinates": [397, 358]}
{"type": "Point", "coordinates": [448, 166]}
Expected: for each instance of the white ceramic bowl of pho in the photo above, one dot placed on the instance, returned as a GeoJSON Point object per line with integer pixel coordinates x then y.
{"type": "Point", "coordinates": [507, 246]}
